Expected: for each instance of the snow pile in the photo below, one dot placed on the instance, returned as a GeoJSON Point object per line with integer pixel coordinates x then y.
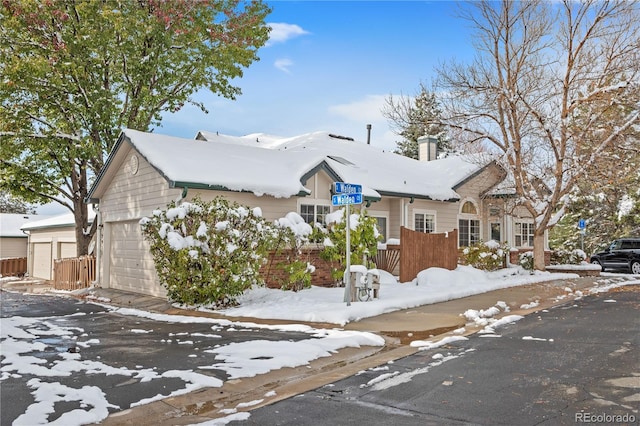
{"type": "Point", "coordinates": [433, 285]}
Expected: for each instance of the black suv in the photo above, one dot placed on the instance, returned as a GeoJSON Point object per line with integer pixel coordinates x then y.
{"type": "Point", "coordinates": [623, 253]}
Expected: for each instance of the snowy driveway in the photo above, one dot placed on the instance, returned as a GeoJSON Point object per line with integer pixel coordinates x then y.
{"type": "Point", "coordinates": [69, 362]}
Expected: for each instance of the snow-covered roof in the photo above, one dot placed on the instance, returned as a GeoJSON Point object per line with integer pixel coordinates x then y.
{"type": "Point", "coordinates": [10, 223]}
{"type": "Point", "coordinates": [379, 172]}
{"type": "Point", "coordinates": [57, 221]}
{"type": "Point", "coordinates": [277, 166]}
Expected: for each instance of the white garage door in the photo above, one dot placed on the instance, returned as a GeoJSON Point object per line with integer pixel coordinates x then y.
{"type": "Point", "coordinates": [68, 250]}
{"type": "Point", "coordinates": [131, 266]}
{"type": "Point", "coordinates": [42, 262]}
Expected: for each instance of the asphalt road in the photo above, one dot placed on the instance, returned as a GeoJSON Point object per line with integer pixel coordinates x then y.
{"type": "Point", "coordinates": [572, 364]}
{"type": "Point", "coordinates": [124, 356]}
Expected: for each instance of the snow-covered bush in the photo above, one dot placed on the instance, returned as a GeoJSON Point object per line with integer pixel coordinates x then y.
{"type": "Point", "coordinates": [208, 252]}
{"type": "Point", "coordinates": [489, 256]}
{"type": "Point", "coordinates": [293, 234]}
{"type": "Point", "coordinates": [526, 260]}
{"type": "Point", "coordinates": [364, 237]}
{"type": "Point", "coordinates": [568, 257]}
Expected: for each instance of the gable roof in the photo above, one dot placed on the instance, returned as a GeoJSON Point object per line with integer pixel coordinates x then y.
{"type": "Point", "coordinates": [57, 221]}
{"type": "Point", "coordinates": [10, 224]}
{"type": "Point", "coordinates": [277, 166]}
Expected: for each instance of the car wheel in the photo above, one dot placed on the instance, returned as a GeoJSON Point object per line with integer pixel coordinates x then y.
{"type": "Point", "coordinates": [595, 262]}
{"type": "Point", "coordinates": [635, 268]}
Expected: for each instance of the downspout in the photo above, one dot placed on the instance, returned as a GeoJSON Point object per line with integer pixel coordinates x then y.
{"type": "Point", "coordinates": [96, 208]}
{"type": "Point", "coordinates": [29, 252]}
{"type": "Point", "coordinates": [183, 195]}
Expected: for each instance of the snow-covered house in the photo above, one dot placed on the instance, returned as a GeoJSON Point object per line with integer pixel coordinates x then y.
{"type": "Point", "coordinates": [13, 242]}
{"type": "Point", "coordinates": [146, 171]}
{"type": "Point", "coordinates": [50, 239]}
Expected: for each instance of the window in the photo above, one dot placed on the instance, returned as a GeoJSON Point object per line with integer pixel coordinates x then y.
{"type": "Point", "coordinates": [469, 232]}
{"type": "Point", "coordinates": [468, 225]}
{"type": "Point", "coordinates": [381, 223]}
{"type": "Point", "coordinates": [469, 208]}
{"type": "Point", "coordinates": [524, 234]}
{"type": "Point", "coordinates": [496, 235]}
{"type": "Point", "coordinates": [312, 213]}
{"type": "Point", "coordinates": [424, 222]}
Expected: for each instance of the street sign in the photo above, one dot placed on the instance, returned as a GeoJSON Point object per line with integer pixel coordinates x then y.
{"type": "Point", "coordinates": [346, 199]}
{"type": "Point", "coordinates": [346, 188]}
{"type": "Point", "coordinates": [582, 224]}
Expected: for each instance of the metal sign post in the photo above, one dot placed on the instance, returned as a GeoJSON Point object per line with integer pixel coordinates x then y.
{"type": "Point", "coordinates": [347, 273]}
{"type": "Point", "coordinates": [345, 195]}
{"type": "Point", "coordinates": [582, 225]}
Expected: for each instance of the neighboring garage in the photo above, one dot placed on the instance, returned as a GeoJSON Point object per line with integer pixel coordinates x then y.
{"type": "Point", "coordinates": [13, 242]}
{"type": "Point", "coordinates": [131, 267]}
{"type": "Point", "coordinates": [50, 239]}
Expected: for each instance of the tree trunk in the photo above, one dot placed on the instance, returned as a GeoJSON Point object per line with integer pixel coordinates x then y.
{"type": "Point", "coordinates": [538, 250]}
{"type": "Point", "coordinates": [84, 233]}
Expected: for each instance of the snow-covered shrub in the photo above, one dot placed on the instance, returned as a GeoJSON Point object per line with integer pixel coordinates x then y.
{"type": "Point", "coordinates": [293, 234]}
{"type": "Point", "coordinates": [568, 257]}
{"type": "Point", "coordinates": [207, 252]}
{"type": "Point", "coordinates": [489, 256]}
{"type": "Point", "coordinates": [364, 237]}
{"type": "Point", "coordinates": [526, 260]}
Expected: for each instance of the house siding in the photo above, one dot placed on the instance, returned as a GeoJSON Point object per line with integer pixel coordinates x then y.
{"type": "Point", "coordinates": [13, 247]}
{"type": "Point", "coordinates": [135, 196]}
{"type": "Point", "coordinates": [46, 245]}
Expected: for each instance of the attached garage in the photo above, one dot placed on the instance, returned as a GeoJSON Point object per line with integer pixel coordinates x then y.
{"type": "Point", "coordinates": [130, 266]}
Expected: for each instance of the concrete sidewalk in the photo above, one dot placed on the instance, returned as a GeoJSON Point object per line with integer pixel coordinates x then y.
{"type": "Point", "coordinates": [398, 328]}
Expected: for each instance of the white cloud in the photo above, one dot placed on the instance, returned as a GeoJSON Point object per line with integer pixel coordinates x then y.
{"type": "Point", "coordinates": [367, 109]}
{"type": "Point", "coordinates": [283, 65]}
{"type": "Point", "coordinates": [281, 32]}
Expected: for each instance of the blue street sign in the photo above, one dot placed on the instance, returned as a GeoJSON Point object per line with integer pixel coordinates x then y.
{"type": "Point", "coordinates": [344, 199]}
{"type": "Point", "coordinates": [346, 188]}
{"type": "Point", "coordinates": [582, 224]}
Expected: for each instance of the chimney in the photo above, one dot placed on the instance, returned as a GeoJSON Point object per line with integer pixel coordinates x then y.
{"type": "Point", "coordinates": [368, 134]}
{"type": "Point", "coordinates": [427, 148]}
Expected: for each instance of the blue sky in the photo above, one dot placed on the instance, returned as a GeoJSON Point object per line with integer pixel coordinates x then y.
{"type": "Point", "coordinates": [329, 66]}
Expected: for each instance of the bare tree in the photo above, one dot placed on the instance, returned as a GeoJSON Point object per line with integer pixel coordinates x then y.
{"type": "Point", "coordinates": [552, 87]}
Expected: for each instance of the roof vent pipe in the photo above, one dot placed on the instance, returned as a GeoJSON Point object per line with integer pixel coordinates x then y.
{"type": "Point", "coordinates": [368, 134]}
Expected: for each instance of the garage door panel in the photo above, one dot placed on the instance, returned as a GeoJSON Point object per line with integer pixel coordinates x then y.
{"type": "Point", "coordinates": [42, 264]}
{"type": "Point", "coordinates": [131, 266]}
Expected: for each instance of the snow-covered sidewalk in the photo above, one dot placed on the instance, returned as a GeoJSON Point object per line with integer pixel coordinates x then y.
{"type": "Point", "coordinates": [433, 285]}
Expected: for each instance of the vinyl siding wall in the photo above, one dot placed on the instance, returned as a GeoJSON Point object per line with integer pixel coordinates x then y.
{"type": "Point", "coordinates": [49, 244]}
{"type": "Point", "coordinates": [13, 247]}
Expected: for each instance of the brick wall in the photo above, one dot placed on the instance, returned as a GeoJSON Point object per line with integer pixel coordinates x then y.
{"type": "Point", "coordinates": [320, 277]}
{"type": "Point", "coordinates": [514, 256]}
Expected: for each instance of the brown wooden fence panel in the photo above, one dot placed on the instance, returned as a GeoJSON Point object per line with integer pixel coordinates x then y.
{"type": "Point", "coordinates": [420, 251]}
{"type": "Point", "coordinates": [14, 266]}
{"type": "Point", "coordinates": [74, 273]}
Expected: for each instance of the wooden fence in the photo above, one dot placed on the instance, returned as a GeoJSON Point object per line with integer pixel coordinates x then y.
{"type": "Point", "coordinates": [74, 273]}
{"type": "Point", "coordinates": [387, 259]}
{"type": "Point", "coordinates": [13, 267]}
{"type": "Point", "coordinates": [420, 251]}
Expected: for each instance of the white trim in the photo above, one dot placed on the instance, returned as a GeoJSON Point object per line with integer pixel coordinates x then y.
{"type": "Point", "coordinates": [425, 212]}
{"type": "Point", "coordinates": [517, 220]}
{"type": "Point", "coordinates": [383, 214]}
{"type": "Point", "coordinates": [475, 204]}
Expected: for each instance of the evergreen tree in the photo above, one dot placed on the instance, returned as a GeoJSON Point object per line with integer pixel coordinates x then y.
{"type": "Point", "coordinates": [412, 118]}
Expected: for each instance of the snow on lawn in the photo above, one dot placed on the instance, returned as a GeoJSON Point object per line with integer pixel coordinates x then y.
{"type": "Point", "coordinates": [433, 285]}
